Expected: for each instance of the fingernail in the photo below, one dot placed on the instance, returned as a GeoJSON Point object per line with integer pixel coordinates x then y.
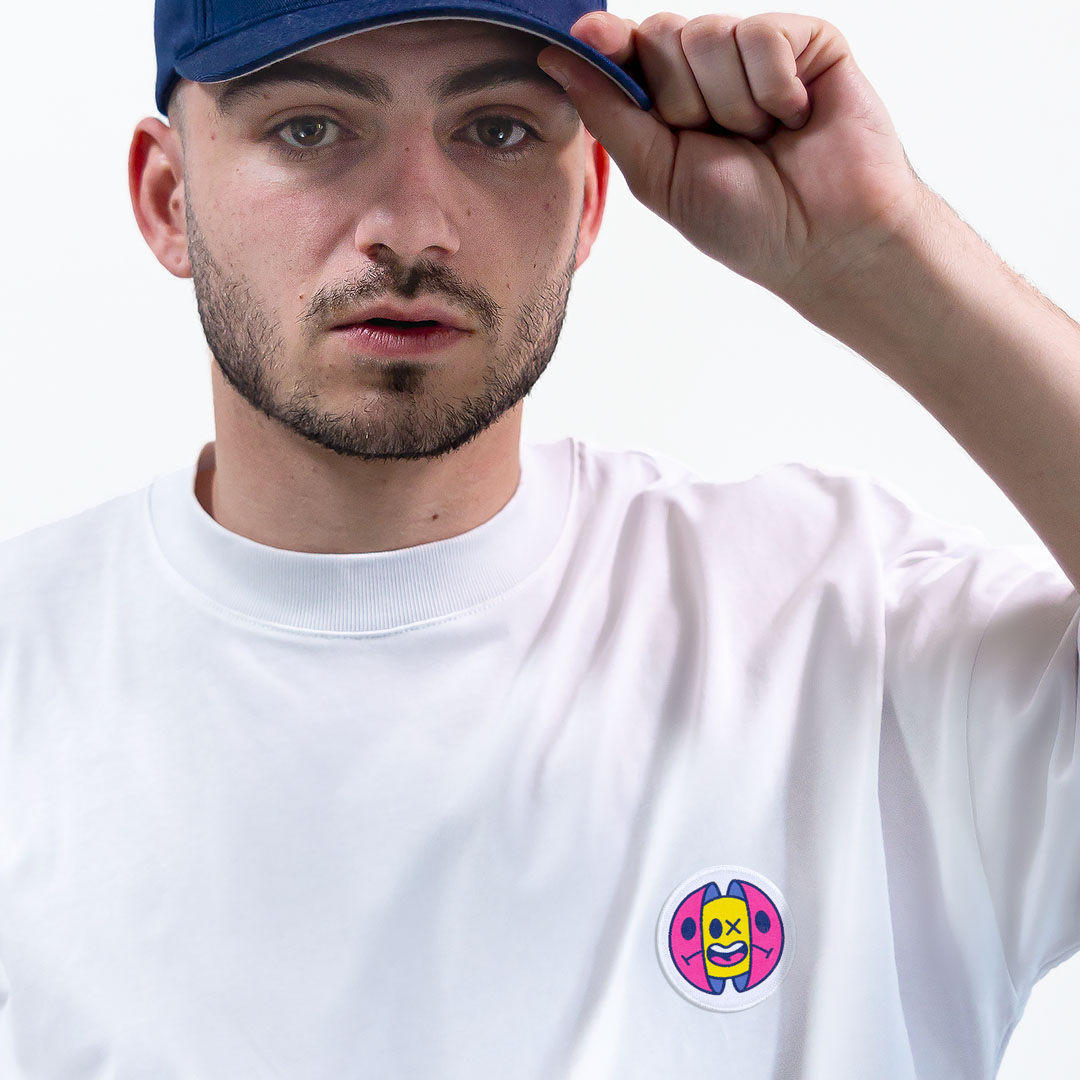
{"type": "Point", "coordinates": [556, 72]}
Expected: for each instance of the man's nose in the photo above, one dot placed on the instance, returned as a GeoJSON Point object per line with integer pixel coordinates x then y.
{"type": "Point", "coordinates": [409, 201]}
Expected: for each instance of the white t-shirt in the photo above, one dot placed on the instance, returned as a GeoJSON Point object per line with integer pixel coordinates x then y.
{"type": "Point", "coordinates": [645, 777]}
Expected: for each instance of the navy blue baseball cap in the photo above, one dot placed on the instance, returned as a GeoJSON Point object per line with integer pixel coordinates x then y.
{"type": "Point", "coordinates": [214, 40]}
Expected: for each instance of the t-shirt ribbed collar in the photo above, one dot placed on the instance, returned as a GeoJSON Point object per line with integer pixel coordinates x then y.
{"type": "Point", "coordinates": [368, 591]}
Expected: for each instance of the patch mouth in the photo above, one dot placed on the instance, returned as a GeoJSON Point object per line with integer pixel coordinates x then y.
{"type": "Point", "coordinates": [726, 957]}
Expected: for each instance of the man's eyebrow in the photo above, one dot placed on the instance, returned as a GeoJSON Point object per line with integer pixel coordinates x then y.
{"type": "Point", "coordinates": [373, 88]}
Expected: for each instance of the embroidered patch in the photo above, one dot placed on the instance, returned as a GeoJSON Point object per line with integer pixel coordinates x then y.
{"type": "Point", "coordinates": [725, 938]}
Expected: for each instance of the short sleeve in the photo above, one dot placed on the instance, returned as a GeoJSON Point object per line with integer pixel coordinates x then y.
{"type": "Point", "coordinates": [982, 667]}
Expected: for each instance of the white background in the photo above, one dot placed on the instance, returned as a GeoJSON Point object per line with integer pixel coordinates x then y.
{"type": "Point", "coordinates": [104, 380]}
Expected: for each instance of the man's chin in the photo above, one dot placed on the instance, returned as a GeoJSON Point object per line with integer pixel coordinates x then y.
{"type": "Point", "coordinates": [389, 431]}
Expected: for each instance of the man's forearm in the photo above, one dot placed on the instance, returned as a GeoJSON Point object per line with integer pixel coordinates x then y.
{"type": "Point", "coordinates": [988, 355]}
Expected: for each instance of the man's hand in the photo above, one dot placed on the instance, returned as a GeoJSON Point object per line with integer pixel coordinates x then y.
{"type": "Point", "coordinates": [766, 146]}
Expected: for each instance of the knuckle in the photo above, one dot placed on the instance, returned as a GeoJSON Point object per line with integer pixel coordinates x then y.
{"type": "Point", "coordinates": [751, 32]}
{"type": "Point", "coordinates": [706, 32]}
{"type": "Point", "coordinates": [828, 30]}
{"type": "Point", "coordinates": [756, 24]}
{"type": "Point", "coordinates": [662, 24]}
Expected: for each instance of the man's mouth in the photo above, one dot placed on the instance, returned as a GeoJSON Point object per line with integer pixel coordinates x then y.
{"type": "Point", "coordinates": [398, 337]}
{"type": "Point", "coordinates": [726, 957]}
{"type": "Point", "coordinates": [401, 325]}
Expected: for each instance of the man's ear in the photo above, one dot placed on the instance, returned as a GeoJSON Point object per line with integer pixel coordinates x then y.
{"type": "Point", "coordinates": [156, 182]}
{"type": "Point", "coordinates": [597, 164]}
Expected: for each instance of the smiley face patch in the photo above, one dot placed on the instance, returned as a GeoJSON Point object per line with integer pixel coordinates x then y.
{"type": "Point", "coordinates": [725, 938]}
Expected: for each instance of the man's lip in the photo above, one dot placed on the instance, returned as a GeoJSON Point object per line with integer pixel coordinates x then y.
{"type": "Point", "coordinates": [365, 325]}
{"type": "Point", "coordinates": [420, 313]}
{"type": "Point", "coordinates": [389, 341]}
{"type": "Point", "coordinates": [423, 324]}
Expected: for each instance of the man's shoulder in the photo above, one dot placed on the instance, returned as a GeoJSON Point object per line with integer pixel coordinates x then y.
{"type": "Point", "coordinates": [783, 507]}
{"type": "Point", "coordinates": [637, 471]}
{"type": "Point", "coordinates": [54, 557]}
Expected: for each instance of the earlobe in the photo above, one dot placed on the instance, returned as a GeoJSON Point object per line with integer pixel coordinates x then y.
{"type": "Point", "coordinates": [156, 183]}
{"type": "Point", "coordinates": [597, 165]}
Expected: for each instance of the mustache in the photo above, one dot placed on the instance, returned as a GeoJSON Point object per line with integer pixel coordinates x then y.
{"type": "Point", "coordinates": [334, 301]}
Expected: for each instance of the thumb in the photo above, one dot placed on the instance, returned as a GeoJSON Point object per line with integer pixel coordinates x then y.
{"type": "Point", "coordinates": [640, 143]}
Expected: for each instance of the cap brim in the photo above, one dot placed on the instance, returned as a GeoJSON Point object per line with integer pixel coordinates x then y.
{"type": "Point", "coordinates": [275, 38]}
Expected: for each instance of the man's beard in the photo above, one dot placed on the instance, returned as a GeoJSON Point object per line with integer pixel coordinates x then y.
{"type": "Point", "coordinates": [408, 421]}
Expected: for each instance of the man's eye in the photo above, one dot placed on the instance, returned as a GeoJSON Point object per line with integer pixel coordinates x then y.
{"type": "Point", "coordinates": [309, 132]}
{"type": "Point", "coordinates": [495, 132]}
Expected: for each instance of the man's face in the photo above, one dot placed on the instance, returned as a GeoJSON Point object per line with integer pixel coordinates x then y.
{"type": "Point", "coordinates": [306, 204]}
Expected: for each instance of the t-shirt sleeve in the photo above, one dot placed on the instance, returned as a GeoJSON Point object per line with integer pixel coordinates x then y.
{"type": "Point", "coordinates": [981, 666]}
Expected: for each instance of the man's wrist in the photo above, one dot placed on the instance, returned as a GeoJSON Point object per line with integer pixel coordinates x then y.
{"type": "Point", "coordinates": [932, 299]}
{"type": "Point", "coordinates": [893, 301]}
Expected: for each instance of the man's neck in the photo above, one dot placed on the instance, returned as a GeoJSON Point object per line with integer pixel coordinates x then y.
{"type": "Point", "coordinates": [261, 481]}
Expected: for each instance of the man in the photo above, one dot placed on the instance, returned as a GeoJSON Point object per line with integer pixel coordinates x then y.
{"type": "Point", "coordinates": [378, 744]}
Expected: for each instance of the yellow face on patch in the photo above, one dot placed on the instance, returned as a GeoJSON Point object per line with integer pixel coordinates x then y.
{"type": "Point", "coordinates": [725, 927]}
